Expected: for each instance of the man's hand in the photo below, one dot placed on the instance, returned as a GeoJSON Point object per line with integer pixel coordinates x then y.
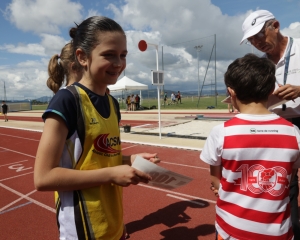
{"type": "Point", "coordinates": [287, 92]}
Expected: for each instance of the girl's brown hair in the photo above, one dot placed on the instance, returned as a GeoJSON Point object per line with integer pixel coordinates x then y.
{"type": "Point", "coordinates": [59, 67]}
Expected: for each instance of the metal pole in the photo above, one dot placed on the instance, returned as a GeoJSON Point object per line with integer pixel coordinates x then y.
{"type": "Point", "coordinates": [4, 91]}
{"type": "Point", "coordinates": [198, 75]}
{"type": "Point", "coordinates": [158, 88]}
{"type": "Point", "coordinates": [198, 48]}
{"type": "Point", "coordinates": [162, 67]}
{"type": "Point", "coordinates": [158, 95]}
{"type": "Point", "coordinates": [216, 70]}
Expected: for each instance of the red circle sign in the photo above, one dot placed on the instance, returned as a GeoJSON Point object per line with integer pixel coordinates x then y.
{"type": "Point", "coordinates": [142, 45]}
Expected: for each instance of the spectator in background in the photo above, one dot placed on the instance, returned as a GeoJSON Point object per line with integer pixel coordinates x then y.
{"type": "Point", "coordinates": [173, 98]}
{"type": "Point", "coordinates": [137, 102]}
{"type": "Point", "coordinates": [4, 108]}
{"type": "Point", "coordinates": [178, 97]}
{"type": "Point", "coordinates": [165, 98]}
{"type": "Point", "coordinates": [132, 102]}
{"type": "Point", "coordinates": [128, 103]}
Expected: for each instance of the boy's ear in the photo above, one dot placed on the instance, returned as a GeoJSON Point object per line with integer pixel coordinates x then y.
{"type": "Point", "coordinates": [231, 92]}
{"type": "Point", "coordinates": [81, 57]}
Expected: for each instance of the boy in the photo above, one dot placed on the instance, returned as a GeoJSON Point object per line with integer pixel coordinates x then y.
{"type": "Point", "coordinates": [252, 157]}
{"type": "Point", "coordinates": [4, 111]}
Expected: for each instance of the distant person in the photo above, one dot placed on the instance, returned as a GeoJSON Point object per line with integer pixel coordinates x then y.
{"type": "Point", "coordinates": [165, 98]}
{"type": "Point", "coordinates": [252, 157]}
{"type": "Point", "coordinates": [80, 153]}
{"type": "Point", "coordinates": [137, 102]}
{"type": "Point", "coordinates": [173, 98]}
{"type": "Point", "coordinates": [132, 102]}
{"type": "Point", "coordinates": [178, 97]}
{"type": "Point", "coordinates": [128, 103]}
{"type": "Point", "coordinates": [4, 108]}
{"type": "Point", "coordinates": [62, 67]}
{"type": "Point", "coordinates": [262, 30]}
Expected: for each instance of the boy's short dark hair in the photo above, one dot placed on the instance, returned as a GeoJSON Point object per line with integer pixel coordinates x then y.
{"type": "Point", "coordinates": [251, 77]}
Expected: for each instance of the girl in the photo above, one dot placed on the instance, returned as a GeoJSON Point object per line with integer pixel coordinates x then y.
{"type": "Point", "coordinates": [79, 154]}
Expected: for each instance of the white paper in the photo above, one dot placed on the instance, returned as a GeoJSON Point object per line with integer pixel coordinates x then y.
{"type": "Point", "coordinates": [161, 177]}
{"type": "Point", "coordinates": [274, 101]}
{"type": "Point", "coordinates": [227, 100]}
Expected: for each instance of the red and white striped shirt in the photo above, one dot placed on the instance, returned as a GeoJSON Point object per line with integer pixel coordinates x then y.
{"type": "Point", "coordinates": [257, 154]}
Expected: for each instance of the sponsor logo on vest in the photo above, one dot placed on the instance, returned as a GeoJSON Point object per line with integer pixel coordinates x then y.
{"type": "Point", "coordinates": [259, 179]}
{"type": "Point", "coordinates": [93, 121]}
{"type": "Point", "coordinates": [104, 145]}
{"type": "Point", "coordinates": [252, 130]}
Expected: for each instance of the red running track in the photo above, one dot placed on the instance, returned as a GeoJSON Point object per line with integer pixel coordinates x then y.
{"type": "Point", "coordinates": [149, 213]}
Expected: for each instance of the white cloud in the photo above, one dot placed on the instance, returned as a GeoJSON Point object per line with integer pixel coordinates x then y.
{"type": "Point", "coordinates": [30, 49]}
{"type": "Point", "coordinates": [293, 30]}
{"type": "Point", "coordinates": [25, 80]}
{"type": "Point", "coordinates": [176, 25]}
{"type": "Point", "coordinates": [52, 43]}
{"type": "Point", "coordinates": [42, 16]}
{"type": "Point", "coordinates": [93, 12]}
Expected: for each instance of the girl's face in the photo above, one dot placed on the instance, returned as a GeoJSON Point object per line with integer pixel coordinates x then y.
{"type": "Point", "coordinates": [108, 59]}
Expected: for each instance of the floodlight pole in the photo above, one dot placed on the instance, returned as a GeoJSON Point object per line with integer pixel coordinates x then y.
{"type": "Point", "coordinates": [198, 49]}
{"type": "Point", "coordinates": [158, 89]}
{"type": "Point", "coordinates": [4, 89]}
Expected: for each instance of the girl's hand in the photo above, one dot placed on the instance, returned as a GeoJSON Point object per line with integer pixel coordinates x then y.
{"type": "Point", "coordinates": [152, 157]}
{"type": "Point", "coordinates": [125, 175]}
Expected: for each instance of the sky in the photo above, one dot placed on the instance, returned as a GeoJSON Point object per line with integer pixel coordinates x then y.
{"type": "Point", "coordinates": [32, 31]}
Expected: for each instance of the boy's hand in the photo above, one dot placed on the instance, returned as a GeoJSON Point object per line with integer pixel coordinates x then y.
{"type": "Point", "coordinates": [214, 190]}
{"type": "Point", "coordinates": [125, 175]}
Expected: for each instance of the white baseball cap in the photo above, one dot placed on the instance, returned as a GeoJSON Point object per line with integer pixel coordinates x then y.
{"type": "Point", "coordinates": [255, 22]}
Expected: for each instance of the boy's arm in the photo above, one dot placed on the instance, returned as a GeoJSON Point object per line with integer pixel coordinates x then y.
{"type": "Point", "coordinates": [215, 175]}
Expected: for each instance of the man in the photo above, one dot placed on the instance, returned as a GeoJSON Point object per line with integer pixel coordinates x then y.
{"type": "Point", "coordinates": [262, 30]}
{"type": "Point", "coordinates": [4, 110]}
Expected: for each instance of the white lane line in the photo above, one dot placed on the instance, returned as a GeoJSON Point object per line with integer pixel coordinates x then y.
{"type": "Point", "coordinates": [28, 198]}
{"type": "Point", "coordinates": [185, 199]}
{"type": "Point", "coordinates": [19, 137]}
{"type": "Point", "coordinates": [139, 126]}
{"type": "Point", "coordinates": [23, 129]}
{"type": "Point", "coordinates": [180, 194]}
{"type": "Point", "coordinates": [129, 147]}
{"type": "Point", "coordinates": [183, 165]}
{"type": "Point", "coordinates": [17, 200]}
{"type": "Point", "coordinates": [13, 163]}
{"type": "Point", "coordinates": [15, 176]}
{"type": "Point", "coordinates": [17, 152]}
{"type": "Point", "coordinates": [162, 145]}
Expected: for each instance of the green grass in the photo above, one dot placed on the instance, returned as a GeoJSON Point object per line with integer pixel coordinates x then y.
{"type": "Point", "coordinates": [187, 103]}
{"type": "Point", "coordinates": [39, 107]}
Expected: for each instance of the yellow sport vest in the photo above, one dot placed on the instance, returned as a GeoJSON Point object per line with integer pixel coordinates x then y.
{"type": "Point", "coordinates": [92, 213]}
